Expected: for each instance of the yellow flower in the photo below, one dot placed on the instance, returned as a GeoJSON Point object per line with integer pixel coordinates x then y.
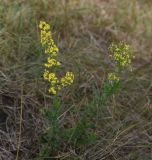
{"type": "Point", "coordinates": [46, 74]}
{"type": "Point", "coordinates": [51, 62]}
{"type": "Point", "coordinates": [68, 79]}
{"type": "Point", "coordinates": [52, 78]}
{"type": "Point", "coordinates": [52, 50]}
{"type": "Point", "coordinates": [41, 24]}
{"type": "Point", "coordinates": [122, 55]}
{"type": "Point", "coordinates": [52, 90]}
{"type": "Point", "coordinates": [44, 26]}
{"type": "Point", "coordinates": [113, 77]}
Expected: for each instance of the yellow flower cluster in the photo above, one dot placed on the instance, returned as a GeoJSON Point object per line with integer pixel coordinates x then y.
{"type": "Point", "coordinates": [113, 77]}
{"type": "Point", "coordinates": [122, 55]}
{"type": "Point", "coordinates": [68, 79]}
{"type": "Point", "coordinates": [51, 62]}
{"type": "Point", "coordinates": [53, 80]}
{"type": "Point", "coordinates": [51, 49]}
{"type": "Point", "coordinates": [51, 77]}
{"type": "Point", "coordinates": [47, 40]}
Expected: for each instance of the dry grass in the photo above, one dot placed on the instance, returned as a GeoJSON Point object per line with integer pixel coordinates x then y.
{"type": "Point", "coordinates": [83, 30]}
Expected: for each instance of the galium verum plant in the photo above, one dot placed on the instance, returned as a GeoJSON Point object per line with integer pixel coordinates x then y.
{"type": "Point", "coordinates": [51, 68]}
{"type": "Point", "coordinates": [121, 54]}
